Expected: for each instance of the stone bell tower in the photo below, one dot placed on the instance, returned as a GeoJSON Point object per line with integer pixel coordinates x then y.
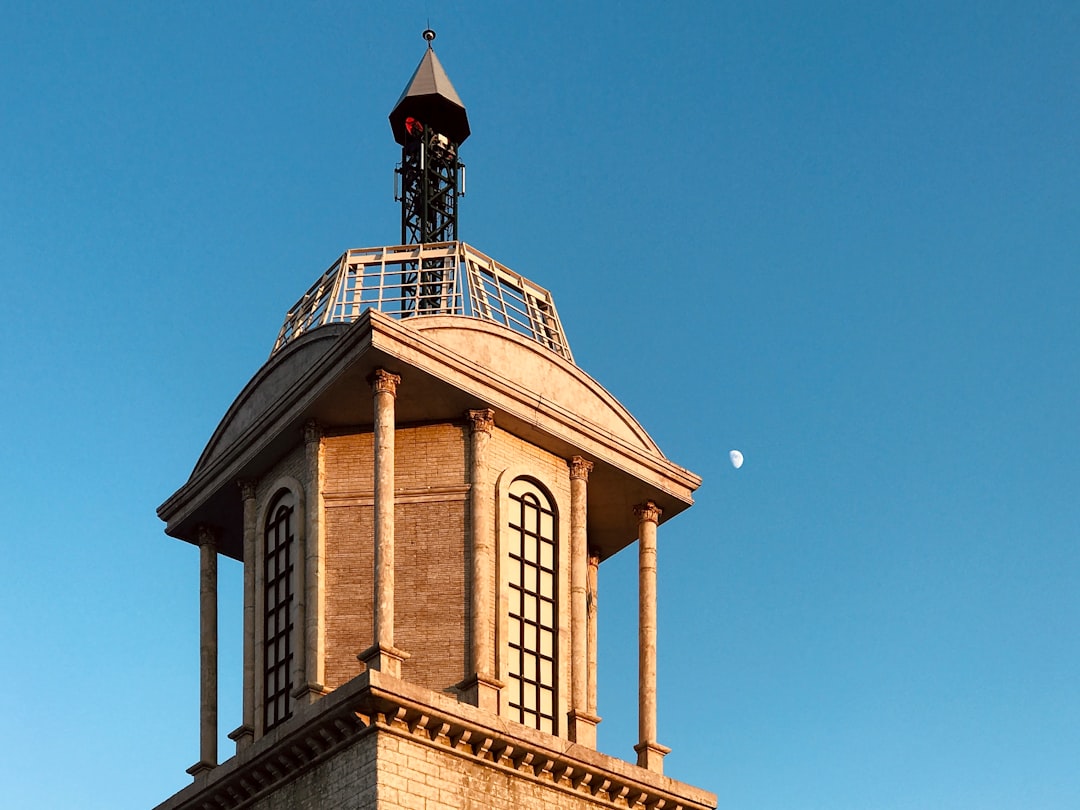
{"type": "Point", "coordinates": [421, 485]}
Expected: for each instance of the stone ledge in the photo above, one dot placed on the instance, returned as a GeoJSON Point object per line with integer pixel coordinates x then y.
{"type": "Point", "coordinates": [374, 703]}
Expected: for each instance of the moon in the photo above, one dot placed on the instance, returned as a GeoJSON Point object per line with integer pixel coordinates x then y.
{"type": "Point", "coordinates": [736, 459]}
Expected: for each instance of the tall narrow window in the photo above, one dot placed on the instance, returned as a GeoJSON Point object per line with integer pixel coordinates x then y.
{"type": "Point", "coordinates": [531, 558]}
{"type": "Point", "coordinates": [278, 599]}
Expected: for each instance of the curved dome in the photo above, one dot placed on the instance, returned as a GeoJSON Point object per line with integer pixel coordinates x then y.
{"type": "Point", "coordinates": [502, 351]}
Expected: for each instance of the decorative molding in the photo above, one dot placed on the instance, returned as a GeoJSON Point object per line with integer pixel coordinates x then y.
{"type": "Point", "coordinates": [206, 536]}
{"type": "Point", "coordinates": [312, 431]}
{"type": "Point", "coordinates": [383, 382]}
{"type": "Point", "coordinates": [384, 659]}
{"type": "Point", "coordinates": [580, 468]}
{"type": "Point", "coordinates": [248, 488]}
{"type": "Point", "coordinates": [421, 495]}
{"type": "Point", "coordinates": [651, 755]}
{"type": "Point", "coordinates": [304, 690]}
{"type": "Point", "coordinates": [200, 769]}
{"type": "Point", "coordinates": [376, 704]}
{"type": "Point", "coordinates": [648, 511]}
{"type": "Point", "coordinates": [483, 421]}
{"type": "Point", "coordinates": [242, 735]}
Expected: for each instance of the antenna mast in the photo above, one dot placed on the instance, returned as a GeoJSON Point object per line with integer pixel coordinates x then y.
{"type": "Point", "coordinates": [430, 123]}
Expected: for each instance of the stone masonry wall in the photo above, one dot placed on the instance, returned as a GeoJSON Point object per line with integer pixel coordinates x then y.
{"type": "Point", "coordinates": [292, 465]}
{"type": "Point", "coordinates": [414, 776]}
{"type": "Point", "coordinates": [432, 569]}
{"type": "Point", "coordinates": [430, 603]}
{"type": "Point", "coordinates": [348, 570]}
{"type": "Point", "coordinates": [346, 781]}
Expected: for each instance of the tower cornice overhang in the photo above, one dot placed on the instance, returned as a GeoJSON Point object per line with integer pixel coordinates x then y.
{"type": "Point", "coordinates": [448, 364]}
{"type": "Point", "coordinates": [374, 703]}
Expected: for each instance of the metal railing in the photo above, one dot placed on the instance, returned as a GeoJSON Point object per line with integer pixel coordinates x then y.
{"type": "Point", "coordinates": [414, 281]}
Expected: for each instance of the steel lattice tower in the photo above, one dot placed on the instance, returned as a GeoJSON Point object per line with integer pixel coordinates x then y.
{"type": "Point", "coordinates": [430, 123]}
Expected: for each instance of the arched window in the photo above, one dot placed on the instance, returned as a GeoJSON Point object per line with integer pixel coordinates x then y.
{"type": "Point", "coordinates": [278, 598]}
{"type": "Point", "coordinates": [531, 558]}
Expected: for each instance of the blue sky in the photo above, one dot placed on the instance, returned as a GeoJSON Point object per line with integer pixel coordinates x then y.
{"type": "Point", "coordinates": [842, 237]}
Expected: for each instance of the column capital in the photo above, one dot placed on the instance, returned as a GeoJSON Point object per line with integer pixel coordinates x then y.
{"type": "Point", "coordinates": [383, 382]}
{"type": "Point", "coordinates": [312, 431]}
{"type": "Point", "coordinates": [247, 488]}
{"type": "Point", "coordinates": [648, 511]}
{"type": "Point", "coordinates": [579, 468]}
{"type": "Point", "coordinates": [483, 420]}
{"type": "Point", "coordinates": [205, 536]}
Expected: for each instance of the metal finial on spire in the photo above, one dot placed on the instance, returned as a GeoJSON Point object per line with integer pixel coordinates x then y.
{"type": "Point", "coordinates": [429, 35]}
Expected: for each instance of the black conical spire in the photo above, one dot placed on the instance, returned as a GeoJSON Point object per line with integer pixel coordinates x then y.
{"type": "Point", "coordinates": [430, 98]}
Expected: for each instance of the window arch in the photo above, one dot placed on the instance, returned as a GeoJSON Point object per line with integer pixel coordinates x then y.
{"type": "Point", "coordinates": [531, 558]}
{"type": "Point", "coordinates": [279, 597]}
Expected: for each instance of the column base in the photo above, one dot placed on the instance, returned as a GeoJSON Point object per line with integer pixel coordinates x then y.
{"type": "Point", "coordinates": [243, 736]}
{"type": "Point", "coordinates": [201, 768]}
{"type": "Point", "coordinates": [310, 692]}
{"type": "Point", "coordinates": [650, 755]}
{"type": "Point", "coordinates": [582, 728]}
{"type": "Point", "coordinates": [385, 659]}
{"type": "Point", "coordinates": [481, 691]}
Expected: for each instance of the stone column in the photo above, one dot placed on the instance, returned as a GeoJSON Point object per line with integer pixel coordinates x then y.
{"type": "Point", "coordinates": [245, 734]}
{"type": "Point", "coordinates": [650, 752]}
{"type": "Point", "coordinates": [592, 596]}
{"type": "Point", "coordinates": [259, 632]}
{"type": "Point", "coordinates": [208, 653]}
{"type": "Point", "coordinates": [582, 722]}
{"type": "Point", "coordinates": [383, 655]}
{"type": "Point", "coordinates": [310, 685]}
{"type": "Point", "coordinates": [481, 688]}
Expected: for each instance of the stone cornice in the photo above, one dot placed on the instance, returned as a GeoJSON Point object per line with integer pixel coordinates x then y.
{"type": "Point", "coordinates": [374, 703]}
{"type": "Point", "coordinates": [316, 369]}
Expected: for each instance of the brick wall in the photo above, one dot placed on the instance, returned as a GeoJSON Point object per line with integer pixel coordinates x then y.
{"type": "Point", "coordinates": [389, 771]}
{"type": "Point", "coordinates": [292, 465]}
{"type": "Point", "coordinates": [432, 570]}
{"type": "Point", "coordinates": [430, 604]}
{"type": "Point", "coordinates": [348, 570]}
{"type": "Point", "coordinates": [414, 776]}
{"type": "Point", "coordinates": [346, 781]}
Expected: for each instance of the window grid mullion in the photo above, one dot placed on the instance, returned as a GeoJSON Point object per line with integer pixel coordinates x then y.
{"type": "Point", "coordinates": [535, 703]}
